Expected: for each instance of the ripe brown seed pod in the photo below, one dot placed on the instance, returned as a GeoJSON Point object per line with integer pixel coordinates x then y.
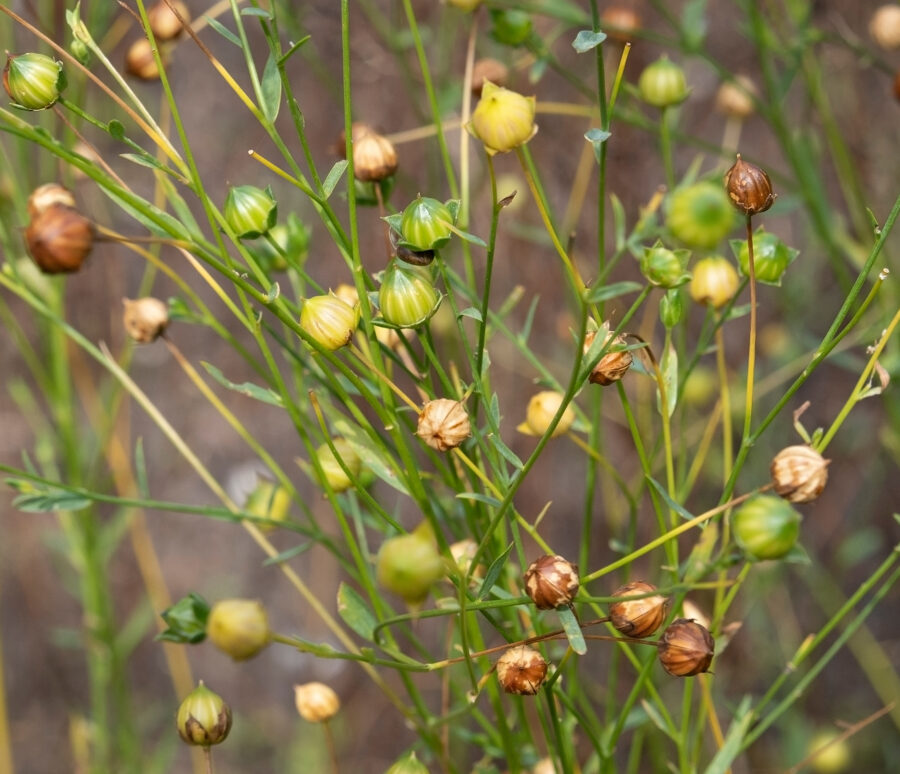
{"type": "Point", "coordinates": [638, 617]}
{"type": "Point", "coordinates": [374, 157]}
{"type": "Point", "coordinates": [521, 670]}
{"type": "Point", "coordinates": [165, 22]}
{"type": "Point", "coordinates": [59, 239]}
{"type": "Point", "coordinates": [749, 188]}
{"type": "Point", "coordinates": [799, 473]}
{"type": "Point", "coordinates": [686, 648]}
{"type": "Point", "coordinates": [46, 195]}
{"type": "Point", "coordinates": [316, 702]}
{"type": "Point", "coordinates": [488, 70]}
{"type": "Point", "coordinates": [139, 60]}
{"type": "Point", "coordinates": [613, 365]}
{"type": "Point", "coordinates": [145, 319]}
{"type": "Point", "coordinates": [551, 581]}
{"type": "Point", "coordinates": [443, 424]}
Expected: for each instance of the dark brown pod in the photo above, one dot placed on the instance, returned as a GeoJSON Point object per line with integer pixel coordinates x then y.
{"type": "Point", "coordinates": [749, 187]}
{"type": "Point", "coordinates": [613, 365]}
{"type": "Point", "coordinates": [686, 648]}
{"type": "Point", "coordinates": [638, 617]}
{"type": "Point", "coordinates": [59, 239]}
{"type": "Point", "coordinates": [374, 157]}
{"type": "Point", "coordinates": [551, 581]}
{"type": "Point", "coordinates": [521, 670]}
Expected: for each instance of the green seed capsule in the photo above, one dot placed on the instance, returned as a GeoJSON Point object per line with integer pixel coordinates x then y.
{"type": "Point", "coordinates": [662, 84]}
{"type": "Point", "coordinates": [408, 764]}
{"type": "Point", "coordinates": [329, 320]}
{"type": "Point", "coordinates": [425, 224]}
{"type": "Point", "coordinates": [33, 81]}
{"type": "Point", "coordinates": [771, 257]}
{"type": "Point", "coordinates": [700, 215]}
{"type": "Point", "coordinates": [665, 268]}
{"type": "Point", "coordinates": [332, 471]}
{"type": "Point", "coordinates": [238, 627]}
{"type": "Point", "coordinates": [250, 211]}
{"type": "Point", "coordinates": [203, 718]}
{"type": "Point", "coordinates": [766, 527]}
{"type": "Point", "coordinates": [510, 27]}
{"type": "Point", "coordinates": [407, 297]}
{"type": "Point", "coordinates": [503, 119]}
{"type": "Point", "coordinates": [409, 565]}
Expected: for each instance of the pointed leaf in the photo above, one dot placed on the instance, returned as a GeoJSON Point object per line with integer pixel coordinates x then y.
{"type": "Point", "coordinates": [493, 572]}
{"type": "Point", "coordinates": [572, 629]}
{"type": "Point", "coordinates": [223, 31]}
{"type": "Point", "coordinates": [355, 612]}
{"type": "Point", "coordinates": [50, 500]}
{"type": "Point", "coordinates": [606, 292]}
{"type": "Point", "coordinates": [669, 370]}
{"type": "Point", "coordinates": [270, 87]}
{"type": "Point", "coordinates": [733, 739]}
{"type": "Point", "coordinates": [250, 390]}
{"type": "Point", "coordinates": [679, 509]}
{"type": "Point", "coordinates": [585, 40]}
{"type": "Point", "coordinates": [334, 176]}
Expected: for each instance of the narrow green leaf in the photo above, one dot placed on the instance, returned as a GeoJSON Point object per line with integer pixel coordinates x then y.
{"type": "Point", "coordinates": [669, 370]}
{"type": "Point", "coordinates": [472, 312]}
{"type": "Point", "coordinates": [480, 498]}
{"type": "Point", "coordinates": [373, 457]}
{"type": "Point", "coordinates": [619, 223]}
{"type": "Point", "coordinates": [493, 572]}
{"type": "Point", "coordinates": [679, 509]}
{"type": "Point", "coordinates": [250, 390]}
{"type": "Point", "coordinates": [223, 31]}
{"type": "Point", "coordinates": [475, 240]}
{"type": "Point", "coordinates": [180, 207]}
{"type": "Point", "coordinates": [334, 176]}
{"type": "Point", "coordinates": [606, 292]}
{"type": "Point", "coordinates": [506, 452]}
{"type": "Point", "coordinates": [572, 629]}
{"type": "Point", "coordinates": [585, 40]}
{"type": "Point", "coordinates": [355, 612]}
{"type": "Point", "coordinates": [657, 719]}
{"type": "Point", "coordinates": [693, 24]}
{"type": "Point", "coordinates": [145, 161]}
{"type": "Point", "coordinates": [733, 739]}
{"type": "Point", "coordinates": [290, 553]}
{"type": "Point", "coordinates": [50, 500]}
{"type": "Point", "coordinates": [270, 86]}
{"type": "Point", "coordinates": [256, 12]}
{"type": "Point", "coordinates": [140, 470]}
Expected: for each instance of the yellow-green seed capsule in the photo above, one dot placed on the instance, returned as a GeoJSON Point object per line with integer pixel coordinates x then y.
{"type": "Point", "coordinates": [407, 298]}
{"type": "Point", "coordinates": [329, 320]}
{"type": "Point", "coordinates": [700, 215]}
{"type": "Point", "coordinates": [771, 257]}
{"type": "Point", "coordinates": [425, 224]}
{"type": "Point", "coordinates": [766, 527]}
{"type": "Point", "coordinates": [250, 211]}
{"type": "Point", "coordinates": [662, 84]}
{"type": "Point", "coordinates": [714, 281]}
{"type": "Point", "coordinates": [203, 718]}
{"type": "Point", "coordinates": [238, 627]}
{"type": "Point", "coordinates": [503, 119]}
{"type": "Point", "coordinates": [409, 565]}
{"type": "Point", "coordinates": [408, 764]}
{"type": "Point", "coordinates": [33, 81]}
{"type": "Point", "coordinates": [665, 268]}
{"type": "Point", "coordinates": [334, 474]}
{"type": "Point", "coordinates": [269, 501]}
{"type": "Point", "coordinates": [540, 412]}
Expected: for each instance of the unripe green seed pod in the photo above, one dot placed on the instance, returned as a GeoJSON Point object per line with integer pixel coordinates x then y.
{"type": "Point", "coordinates": [464, 5]}
{"type": "Point", "coordinates": [771, 257]}
{"type": "Point", "coordinates": [663, 267]}
{"type": "Point", "coordinates": [407, 298]}
{"type": "Point", "coordinates": [79, 49]}
{"type": "Point", "coordinates": [671, 308]}
{"type": "Point", "coordinates": [238, 627]}
{"type": "Point", "coordinates": [409, 565]}
{"type": "Point", "coordinates": [510, 27]}
{"type": "Point", "coordinates": [714, 281]}
{"type": "Point", "coordinates": [503, 119]}
{"type": "Point", "coordinates": [329, 320]}
{"type": "Point", "coordinates": [203, 718]}
{"type": "Point", "coordinates": [700, 215]}
{"type": "Point", "coordinates": [268, 501]}
{"type": "Point", "coordinates": [408, 764]}
{"type": "Point", "coordinates": [33, 81]}
{"type": "Point", "coordinates": [334, 474]}
{"type": "Point", "coordinates": [765, 527]}
{"type": "Point", "coordinates": [250, 211]}
{"type": "Point", "coordinates": [662, 84]}
{"type": "Point", "coordinates": [425, 224]}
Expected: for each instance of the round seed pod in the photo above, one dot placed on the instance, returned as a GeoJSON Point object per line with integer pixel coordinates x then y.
{"type": "Point", "coordinates": [463, 551]}
{"type": "Point", "coordinates": [425, 224]}
{"type": "Point", "coordinates": [140, 63]}
{"type": "Point", "coordinates": [662, 84]}
{"type": "Point", "coordinates": [328, 320]}
{"type": "Point", "coordinates": [409, 565]}
{"type": "Point", "coordinates": [551, 582]}
{"type": "Point", "coordinates": [165, 22]}
{"type": "Point", "coordinates": [540, 412]}
{"type": "Point", "coordinates": [735, 98]}
{"type": "Point", "coordinates": [663, 267]}
{"type": "Point", "coordinates": [374, 156]}
{"type": "Point", "coordinates": [488, 70]}
{"type": "Point", "coordinates": [145, 319]}
{"type": "Point", "coordinates": [268, 500]}
{"type": "Point", "coordinates": [613, 365]}
{"type": "Point", "coordinates": [511, 27]}
{"type": "Point", "coordinates": [47, 195]}
{"type": "Point", "coordinates": [799, 473]}
{"type": "Point", "coordinates": [700, 215]}
{"type": "Point", "coordinates": [203, 719]}
{"type": "Point", "coordinates": [238, 627]}
{"type": "Point", "coordinates": [407, 298]}
{"type": "Point", "coordinates": [620, 22]}
{"type": "Point", "coordinates": [59, 239]}
{"type": "Point", "coordinates": [686, 648]}
{"type": "Point", "coordinates": [749, 188]}
{"type": "Point", "coordinates": [316, 702]}
{"type": "Point", "coordinates": [521, 670]}
{"type": "Point", "coordinates": [714, 281]}
{"type": "Point", "coordinates": [884, 26]}
{"type": "Point", "coordinates": [334, 474]}
{"type": "Point", "coordinates": [503, 119]}
{"type": "Point", "coordinates": [408, 764]}
{"type": "Point", "coordinates": [33, 81]}
{"type": "Point", "coordinates": [765, 527]}
{"type": "Point", "coordinates": [638, 617]}
{"type": "Point", "coordinates": [771, 257]}
{"type": "Point", "coordinates": [250, 211]}
{"type": "Point", "coordinates": [443, 424]}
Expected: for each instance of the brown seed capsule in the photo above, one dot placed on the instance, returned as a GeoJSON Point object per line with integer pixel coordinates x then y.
{"type": "Point", "coordinates": [799, 473]}
{"type": "Point", "coordinates": [551, 581]}
{"type": "Point", "coordinates": [521, 670]}
{"type": "Point", "coordinates": [443, 424]}
{"type": "Point", "coordinates": [47, 195]}
{"type": "Point", "coordinates": [613, 365]}
{"type": "Point", "coordinates": [139, 60]}
{"type": "Point", "coordinates": [165, 22]}
{"type": "Point", "coordinates": [884, 26]}
{"type": "Point", "coordinates": [59, 239]}
{"type": "Point", "coordinates": [316, 702]}
{"type": "Point", "coordinates": [749, 187]}
{"type": "Point", "coordinates": [620, 23]}
{"type": "Point", "coordinates": [638, 617]}
{"type": "Point", "coordinates": [735, 98]}
{"type": "Point", "coordinates": [488, 70]}
{"type": "Point", "coordinates": [686, 648]}
{"type": "Point", "coordinates": [145, 319]}
{"type": "Point", "coordinates": [374, 157]}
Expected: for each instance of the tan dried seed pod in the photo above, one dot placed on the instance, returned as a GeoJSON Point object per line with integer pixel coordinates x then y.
{"type": "Point", "coordinates": [749, 188]}
{"type": "Point", "coordinates": [735, 98]}
{"type": "Point", "coordinates": [443, 424]}
{"type": "Point", "coordinates": [521, 670]}
{"type": "Point", "coordinates": [47, 195]}
{"type": "Point", "coordinates": [488, 69]}
{"type": "Point", "coordinates": [884, 26]}
{"type": "Point", "coordinates": [316, 702]}
{"type": "Point", "coordinates": [799, 473]}
{"type": "Point", "coordinates": [620, 23]}
{"type": "Point", "coordinates": [686, 648]}
{"type": "Point", "coordinates": [374, 156]}
{"type": "Point", "coordinates": [638, 617]}
{"type": "Point", "coordinates": [139, 60]}
{"type": "Point", "coordinates": [551, 581]}
{"type": "Point", "coordinates": [145, 319]}
{"type": "Point", "coordinates": [59, 239]}
{"type": "Point", "coordinates": [165, 22]}
{"type": "Point", "coordinates": [613, 365]}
